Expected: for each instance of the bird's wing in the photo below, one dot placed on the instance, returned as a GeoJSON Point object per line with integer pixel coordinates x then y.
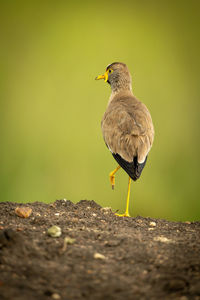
{"type": "Point", "coordinates": [128, 130]}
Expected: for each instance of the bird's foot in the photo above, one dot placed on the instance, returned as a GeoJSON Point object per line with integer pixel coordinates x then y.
{"type": "Point", "coordinates": [112, 177]}
{"type": "Point", "coordinates": [126, 214]}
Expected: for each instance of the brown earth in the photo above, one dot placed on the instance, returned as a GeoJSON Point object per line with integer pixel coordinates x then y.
{"type": "Point", "coordinates": [111, 258]}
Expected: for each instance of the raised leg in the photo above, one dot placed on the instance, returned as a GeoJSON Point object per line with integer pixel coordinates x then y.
{"type": "Point", "coordinates": [112, 177]}
{"type": "Point", "coordinates": [126, 214]}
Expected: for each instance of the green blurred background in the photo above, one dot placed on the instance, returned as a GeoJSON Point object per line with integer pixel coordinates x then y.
{"type": "Point", "coordinates": [51, 106]}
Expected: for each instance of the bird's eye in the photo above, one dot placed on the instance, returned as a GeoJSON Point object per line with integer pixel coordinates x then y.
{"type": "Point", "coordinates": [110, 71]}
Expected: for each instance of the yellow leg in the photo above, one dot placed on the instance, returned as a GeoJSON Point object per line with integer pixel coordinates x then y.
{"type": "Point", "coordinates": [126, 214]}
{"type": "Point", "coordinates": [112, 177]}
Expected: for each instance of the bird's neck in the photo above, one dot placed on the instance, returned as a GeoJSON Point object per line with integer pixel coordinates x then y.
{"type": "Point", "coordinates": [123, 83]}
{"type": "Point", "coordinates": [120, 92]}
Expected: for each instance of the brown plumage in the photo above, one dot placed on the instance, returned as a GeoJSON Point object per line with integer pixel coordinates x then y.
{"type": "Point", "coordinates": [126, 124]}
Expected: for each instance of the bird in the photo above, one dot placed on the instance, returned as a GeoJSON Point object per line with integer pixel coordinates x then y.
{"type": "Point", "coordinates": [126, 125]}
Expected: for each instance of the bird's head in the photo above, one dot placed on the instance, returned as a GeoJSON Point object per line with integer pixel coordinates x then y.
{"type": "Point", "coordinates": [118, 76]}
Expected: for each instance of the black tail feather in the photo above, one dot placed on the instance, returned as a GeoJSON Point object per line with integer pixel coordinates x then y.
{"type": "Point", "coordinates": [133, 169]}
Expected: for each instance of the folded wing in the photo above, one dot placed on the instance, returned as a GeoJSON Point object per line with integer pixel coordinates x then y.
{"type": "Point", "coordinates": [128, 132]}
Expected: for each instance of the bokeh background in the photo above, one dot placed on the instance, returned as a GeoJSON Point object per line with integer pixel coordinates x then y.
{"type": "Point", "coordinates": [51, 106]}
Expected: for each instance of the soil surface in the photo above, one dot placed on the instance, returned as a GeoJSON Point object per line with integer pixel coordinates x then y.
{"type": "Point", "coordinates": [110, 257]}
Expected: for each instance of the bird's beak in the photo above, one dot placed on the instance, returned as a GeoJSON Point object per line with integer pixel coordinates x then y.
{"type": "Point", "coordinates": [105, 77]}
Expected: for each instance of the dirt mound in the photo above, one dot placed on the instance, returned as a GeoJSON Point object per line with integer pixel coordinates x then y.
{"type": "Point", "coordinates": [98, 255]}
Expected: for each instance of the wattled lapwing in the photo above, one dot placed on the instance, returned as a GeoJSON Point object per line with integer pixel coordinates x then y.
{"type": "Point", "coordinates": [126, 126]}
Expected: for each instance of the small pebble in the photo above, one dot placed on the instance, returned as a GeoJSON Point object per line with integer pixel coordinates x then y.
{"type": "Point", "coordinates": [19, 229]}
{"type": "Point", "coordinates": [68, 240]}
{"type": "Point", "coordinates": [162, 239]}
{"type": "Point", "coordinates": [153, 224]}
{"type": "Point", "coordinates": [139, 221]}
{"type": "Point", "coordinates": [54, 231]}
{"type": "Point", "coordinates": [99, 256]}
{"type": "Point", "coordinates": [106, 208]}
{"type": "Point", "coordinates": [94, 215]}
{"type": "Point", "coordinates": [151, 228]}
{"type": "Point", "coordinates": [56, 214]}
{"type": "Point", "coordinates": [55, 296]}
{"type": "Point", "coordinates": [23, 212]}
